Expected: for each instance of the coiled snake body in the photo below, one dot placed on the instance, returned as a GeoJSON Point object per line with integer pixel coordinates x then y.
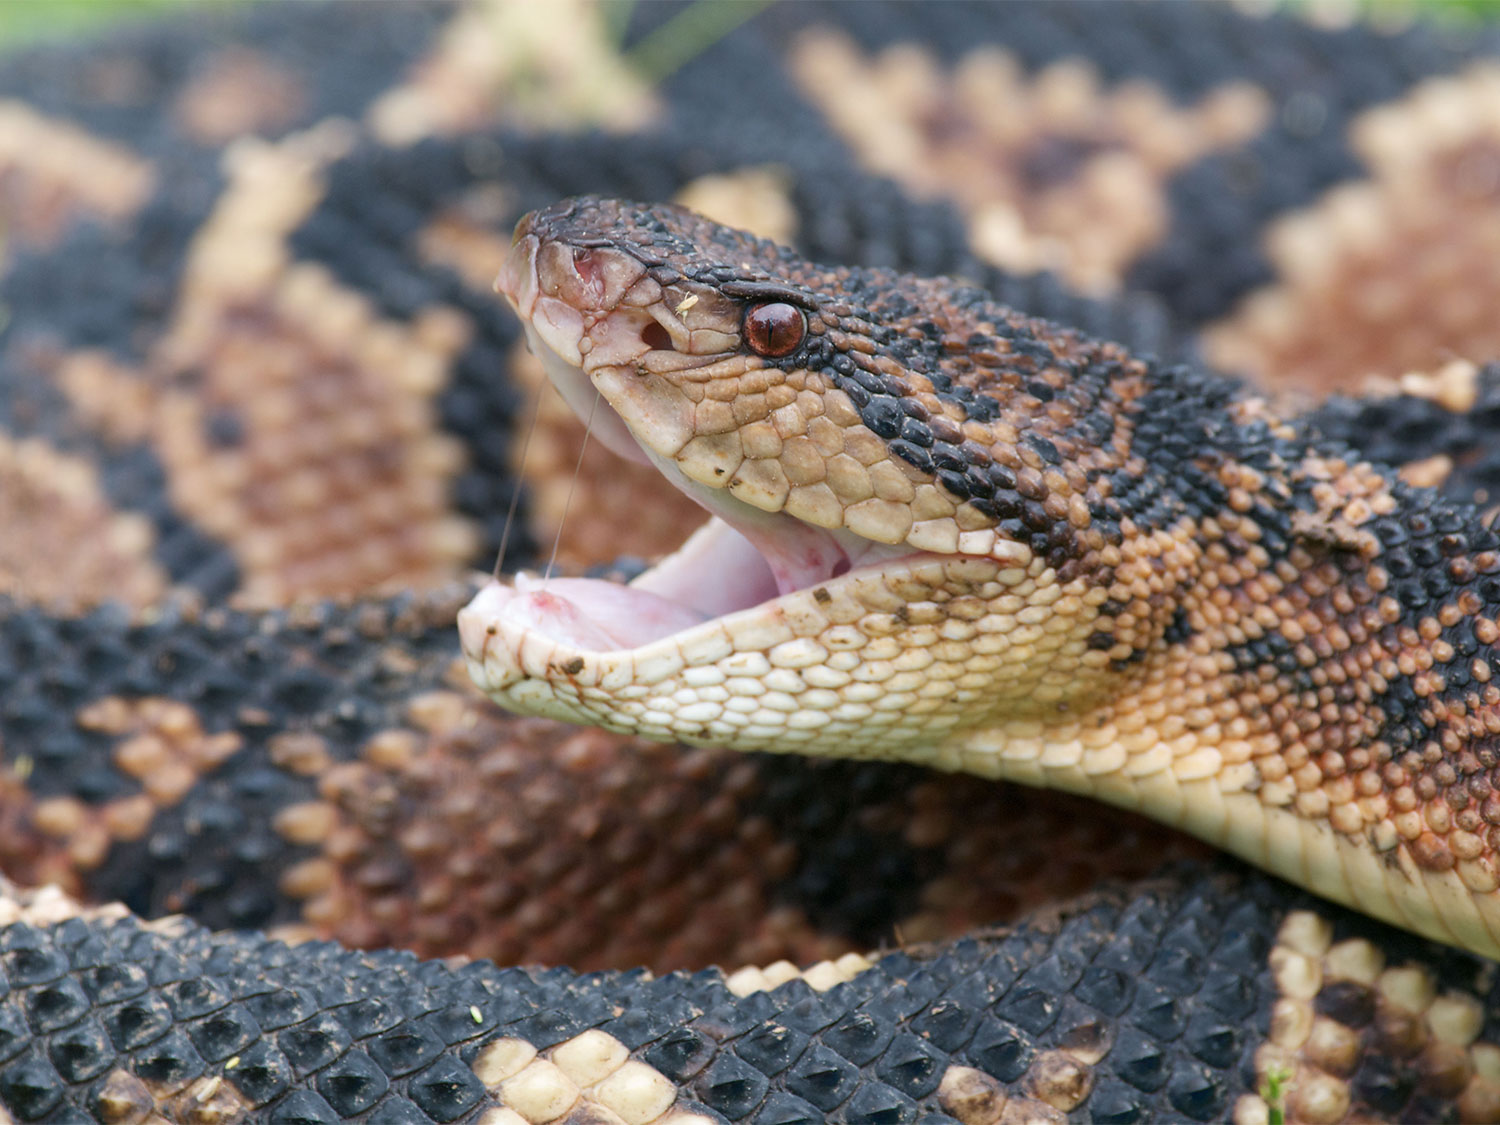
{"type": "Point", "coordinates": [259, 380]}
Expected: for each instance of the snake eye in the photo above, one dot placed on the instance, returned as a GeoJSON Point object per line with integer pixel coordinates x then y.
{"type": "Point", "coordinates": [774, 329]}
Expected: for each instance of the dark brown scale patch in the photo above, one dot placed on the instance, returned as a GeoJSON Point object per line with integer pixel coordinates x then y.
{"type": "Point", "coordinates": [51, 504]}
{"type": "Point", "coordinates": [1074, 184]}
{"type": "Point", "coordinates": [1400, 288]}
{"type": "Point", "coordinates": [471, 832]}
{"type": "Point", "coordinates": [523, 840]}
{"type": "Point", "coordinates": [1348, 1002]}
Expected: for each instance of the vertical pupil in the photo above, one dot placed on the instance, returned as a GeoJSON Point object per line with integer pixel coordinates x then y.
{"type": "Point", "coordinates": [774, 329]}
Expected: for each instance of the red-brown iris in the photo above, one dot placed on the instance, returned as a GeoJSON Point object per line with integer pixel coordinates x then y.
{"type": "Point", "coordinates": [774, 329]}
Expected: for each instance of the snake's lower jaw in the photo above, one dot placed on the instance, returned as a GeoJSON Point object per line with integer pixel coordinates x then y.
{"type": "Point", "coordinates": [888, 661]}
{"type": "Point", "coordinates": [572, 631]}
{"type": "Point", "coordinates": [517, 639]}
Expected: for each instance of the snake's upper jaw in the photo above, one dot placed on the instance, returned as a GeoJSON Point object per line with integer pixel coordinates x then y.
{"type": "Point", "coordinates": [619, 355]}
{"type": "Point", "coordinates": [739, 559]}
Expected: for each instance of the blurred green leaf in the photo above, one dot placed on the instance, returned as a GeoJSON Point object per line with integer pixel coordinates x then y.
{"type": "Point", "coordinates": [689, 33]}
{"type": "Point", "coordinates": [26, 21]}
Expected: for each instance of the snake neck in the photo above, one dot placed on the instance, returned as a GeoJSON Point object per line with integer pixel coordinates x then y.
{"type": "Point", "coordinates": [950, 534]}
{"type": "Point", "coordinates": [1303, 678]}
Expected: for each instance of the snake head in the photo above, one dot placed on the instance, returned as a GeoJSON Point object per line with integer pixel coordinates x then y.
{"type": "Point", "coordinates": [873, 450]}
{"type": "Point", "coordinates": [704, 346]}
{"type": "Point", "coordinates": [607, 314]}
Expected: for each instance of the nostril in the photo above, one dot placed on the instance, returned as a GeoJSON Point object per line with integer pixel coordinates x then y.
{"type": "Point", "coordinates": [590, 269]}
{"type": "Point", "coordinates": [655, 337]}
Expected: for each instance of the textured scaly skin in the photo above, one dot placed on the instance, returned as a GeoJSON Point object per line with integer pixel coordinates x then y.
{"type": "Point", "coordinates": [1030, 555]}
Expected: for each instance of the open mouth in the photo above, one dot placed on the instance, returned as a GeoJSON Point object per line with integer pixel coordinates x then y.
{"type": "Point", "coordinates": [741, 559]}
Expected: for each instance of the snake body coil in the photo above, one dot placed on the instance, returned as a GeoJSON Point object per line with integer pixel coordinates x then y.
{"type": "Point", "coordinates": [275, 859]}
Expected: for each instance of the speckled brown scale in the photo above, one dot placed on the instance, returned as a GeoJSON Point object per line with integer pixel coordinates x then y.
{"type": "Point", "coordinates": [1370, 281]}
{"type": "Point", "coordinates": [52, 174]}
{"type": "Point", "coordinates": [1069, 176]}
{"type": "Point", "coordinates": [554, 844]}
{"type": "Point", "coordinates": [271, 366]}
{"type": "Point", "coordinates": [51, 504]}
{"type": "Point", "coordinates": [1128, 580]}
{"type": "Point", "coordinates": [1344, 1014]}
{"type": "Point", "coordinates": [483, 878]}
{"type": "Point", "coordinates": [318, 485]}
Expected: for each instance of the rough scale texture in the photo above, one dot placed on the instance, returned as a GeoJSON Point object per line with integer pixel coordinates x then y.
{"type": "Point", "coordinates": [1098, 574]}
{"type": "Point", "coordinates": [269, 369]}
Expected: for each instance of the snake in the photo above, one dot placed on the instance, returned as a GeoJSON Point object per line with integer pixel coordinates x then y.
{"type": "Point", "coordinates": [1134, 445]}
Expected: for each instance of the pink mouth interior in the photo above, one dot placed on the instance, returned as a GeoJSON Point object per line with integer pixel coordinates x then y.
{"type": "Point", "coordinates": [739, 559]}
{"type": "Point", "coordinates": [716, 572]}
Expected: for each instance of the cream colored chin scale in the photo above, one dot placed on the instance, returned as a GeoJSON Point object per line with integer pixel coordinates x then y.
{"type": "Point", "coordinates": [964, 652]}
